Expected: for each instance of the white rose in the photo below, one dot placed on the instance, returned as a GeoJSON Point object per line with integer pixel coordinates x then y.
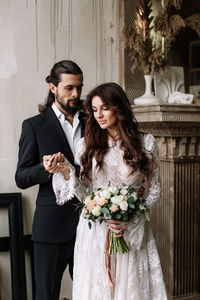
{"type": "Point", "coordinates": [123, 192]}
{"type": "Point", "coordinates": [105, 194]}
{"type": "Point", "coordinates": [141, 206]}
{"type": "Point", "coordinates": [123, 205]}
{"type": "Point", "coordinates": [113, 189]}
{"type": "Point", "coordinates": [84, 212]}
{"type": "Point", "coordinates": [134, 195]}
{"type": "Point", "coordinates": [96, 211]}
{"type": "Point", "coordinates": [118, 199]}
{"type": "Point", "coordinates": [87, 199]}
{"type": "Point", "coordinates": [124, 186]}
{"type": "Point", "coordinates": [114, 200]}
{"type": "Point", "coordinates": [96, 198]}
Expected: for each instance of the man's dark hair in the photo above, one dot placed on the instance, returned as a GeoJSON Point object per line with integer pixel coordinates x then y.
{"type": "Point", "coordinates": [61, 67]}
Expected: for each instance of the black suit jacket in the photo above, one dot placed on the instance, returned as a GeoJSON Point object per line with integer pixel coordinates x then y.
{"type": "Point", "coordinates": [43, 135]}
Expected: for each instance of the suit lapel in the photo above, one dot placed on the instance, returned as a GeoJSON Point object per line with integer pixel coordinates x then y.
{"type": "Point", "coordinates": [52, 118]}
{"type": "Point", "coordinates": [81, 119]}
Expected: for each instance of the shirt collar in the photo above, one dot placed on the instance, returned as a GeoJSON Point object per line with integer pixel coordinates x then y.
{"type": "Point", "coordinates": [61, 116]}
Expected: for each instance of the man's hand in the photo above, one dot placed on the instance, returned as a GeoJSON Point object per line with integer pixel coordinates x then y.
{"type": "Point", "coordinates": [56, 163]}
{"type": "Point", "coordinates": [50, 162]}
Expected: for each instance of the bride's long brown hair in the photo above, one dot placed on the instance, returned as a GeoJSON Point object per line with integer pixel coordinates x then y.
{"type": "Point", "coordinates": [96, 139]}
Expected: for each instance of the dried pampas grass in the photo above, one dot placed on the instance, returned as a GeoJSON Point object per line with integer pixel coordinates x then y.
{"type": "Point", "coordinates": [193, 22]}
{"type": "Point", "coordinates": [175, 3]}
{"type": "Point", "coordinates": [145, 54]}
{"type": "Point", "coordinates": [168, 26]}
{"type": "Point", "coordinates": [176, 23]}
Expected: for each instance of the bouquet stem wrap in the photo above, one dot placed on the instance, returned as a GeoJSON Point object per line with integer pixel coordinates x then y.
{"type": "Point", "coordinates": [113, 245]}
{"type": "Point", "coordinates": [108, 258]}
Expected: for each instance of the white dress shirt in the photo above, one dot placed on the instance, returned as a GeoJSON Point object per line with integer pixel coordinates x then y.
{"type": "Point", "coordinates": [72, 131]}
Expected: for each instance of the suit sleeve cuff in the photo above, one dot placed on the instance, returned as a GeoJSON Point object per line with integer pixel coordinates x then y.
{"type": "Point", "coordinates": [49, 175]}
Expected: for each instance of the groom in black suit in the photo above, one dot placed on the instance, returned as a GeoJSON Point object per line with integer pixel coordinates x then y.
{"type": "Point", "coordinates": [45, 140]}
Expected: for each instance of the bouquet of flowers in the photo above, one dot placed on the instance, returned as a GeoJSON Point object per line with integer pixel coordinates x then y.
{"type": "Point", "coordinates": [113, 202]}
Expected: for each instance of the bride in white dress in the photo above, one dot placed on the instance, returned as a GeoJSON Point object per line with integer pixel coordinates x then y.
{"type": "Point", "coordinates": [113, 151]}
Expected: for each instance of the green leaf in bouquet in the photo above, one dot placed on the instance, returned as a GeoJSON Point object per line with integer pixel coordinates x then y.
{"type": "Point", "coordinates": [90, 225]}
{"type": "Point", "coordinates": [125, 218]}
{"type": "Point", "coordinates": [116, 192]}
{"type": "Point", "coordinates": [78, 206]}
{"type": "Point", "coordinates": [131, 199]}
{"type": "Point", "coordinates": [131, 205]}
{"type": "Point", "coordinates": [105, 210]}
{"type": "Point", "coordinates": [92, 196]}
{"type": "Point", "coordinates": [101, 220]}
{"type": "Point", "coordinates": [106, 213]}
{"type": "Point", "coordinates": [131, 189]}
{"type": "Point", "coordinates": [117, 216]}
{"type": "Point", "coordinates": [140, 200]}
{"type": "Point", "coordinates": [138, 213]}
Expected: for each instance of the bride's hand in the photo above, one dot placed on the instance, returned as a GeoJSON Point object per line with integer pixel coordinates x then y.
{"type": "Point", "coordinates": [117, 226]}
{"type": "Point", "coordinates": [64, 168]}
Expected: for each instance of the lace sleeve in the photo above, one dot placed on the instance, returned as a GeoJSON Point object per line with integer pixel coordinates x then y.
{"type": "Point", "coordinates": [154, 187]}
{"type": "Point", "coordinates": [64, 189]}
{"type": "Point", "coordinates": [136, 226]}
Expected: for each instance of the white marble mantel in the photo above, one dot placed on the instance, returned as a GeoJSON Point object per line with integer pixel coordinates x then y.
{"type": "Point", "coordinates": [167, 113]}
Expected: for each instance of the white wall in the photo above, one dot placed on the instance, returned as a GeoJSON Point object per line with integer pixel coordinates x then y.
{"type": "Point", "coordinates": [34, 34]}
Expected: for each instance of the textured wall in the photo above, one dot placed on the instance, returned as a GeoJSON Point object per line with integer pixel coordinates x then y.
{"type": "Point", "coordinates": [34, 35]}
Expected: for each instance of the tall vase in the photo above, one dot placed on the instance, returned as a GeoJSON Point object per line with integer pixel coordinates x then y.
{"type": "Point", "coordinates": [148, 98]}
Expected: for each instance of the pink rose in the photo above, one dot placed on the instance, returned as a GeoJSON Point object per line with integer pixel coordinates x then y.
{"type": "Point", "coordinates": [100, 201]}
{"type": "Point", "coordinates": [114, 208]}
{"type": "Point", "coordinates": [90, 205]}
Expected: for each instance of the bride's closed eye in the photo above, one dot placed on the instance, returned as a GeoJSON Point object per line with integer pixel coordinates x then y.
{"type": "Point", "coordinates": [103, 108]}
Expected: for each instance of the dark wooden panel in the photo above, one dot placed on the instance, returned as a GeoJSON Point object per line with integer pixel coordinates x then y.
{"type": "Point", "coordinates": [16, 243]}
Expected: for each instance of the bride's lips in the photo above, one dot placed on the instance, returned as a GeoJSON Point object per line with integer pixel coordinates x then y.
{"type": "Point", "coordinates": [102, 122]}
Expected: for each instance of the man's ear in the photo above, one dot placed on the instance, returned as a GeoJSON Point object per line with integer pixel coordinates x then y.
{"type": "Point", "coordinates": [52, 87]}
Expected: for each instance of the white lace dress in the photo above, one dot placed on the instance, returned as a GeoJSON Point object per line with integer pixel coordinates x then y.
{"type": "Point", "coordinates": [137, 275]}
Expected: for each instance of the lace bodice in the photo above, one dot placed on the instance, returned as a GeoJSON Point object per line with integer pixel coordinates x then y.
{"type": "Point", "coordinates": [115, 171]}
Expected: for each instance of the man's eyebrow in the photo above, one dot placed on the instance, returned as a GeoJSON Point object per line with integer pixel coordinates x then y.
{"type": "Point", "coordinates": [68, 85]}
{"type": "Point", "coordinates": [71, 85]}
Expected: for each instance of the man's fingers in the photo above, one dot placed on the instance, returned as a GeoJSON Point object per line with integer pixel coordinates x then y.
{"type": "Point", "coordinates": [50, 162]}
{"type": "Point", "coordinates": [60, 157]}
{"type": "Point", "coordinates": [54, 170]}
